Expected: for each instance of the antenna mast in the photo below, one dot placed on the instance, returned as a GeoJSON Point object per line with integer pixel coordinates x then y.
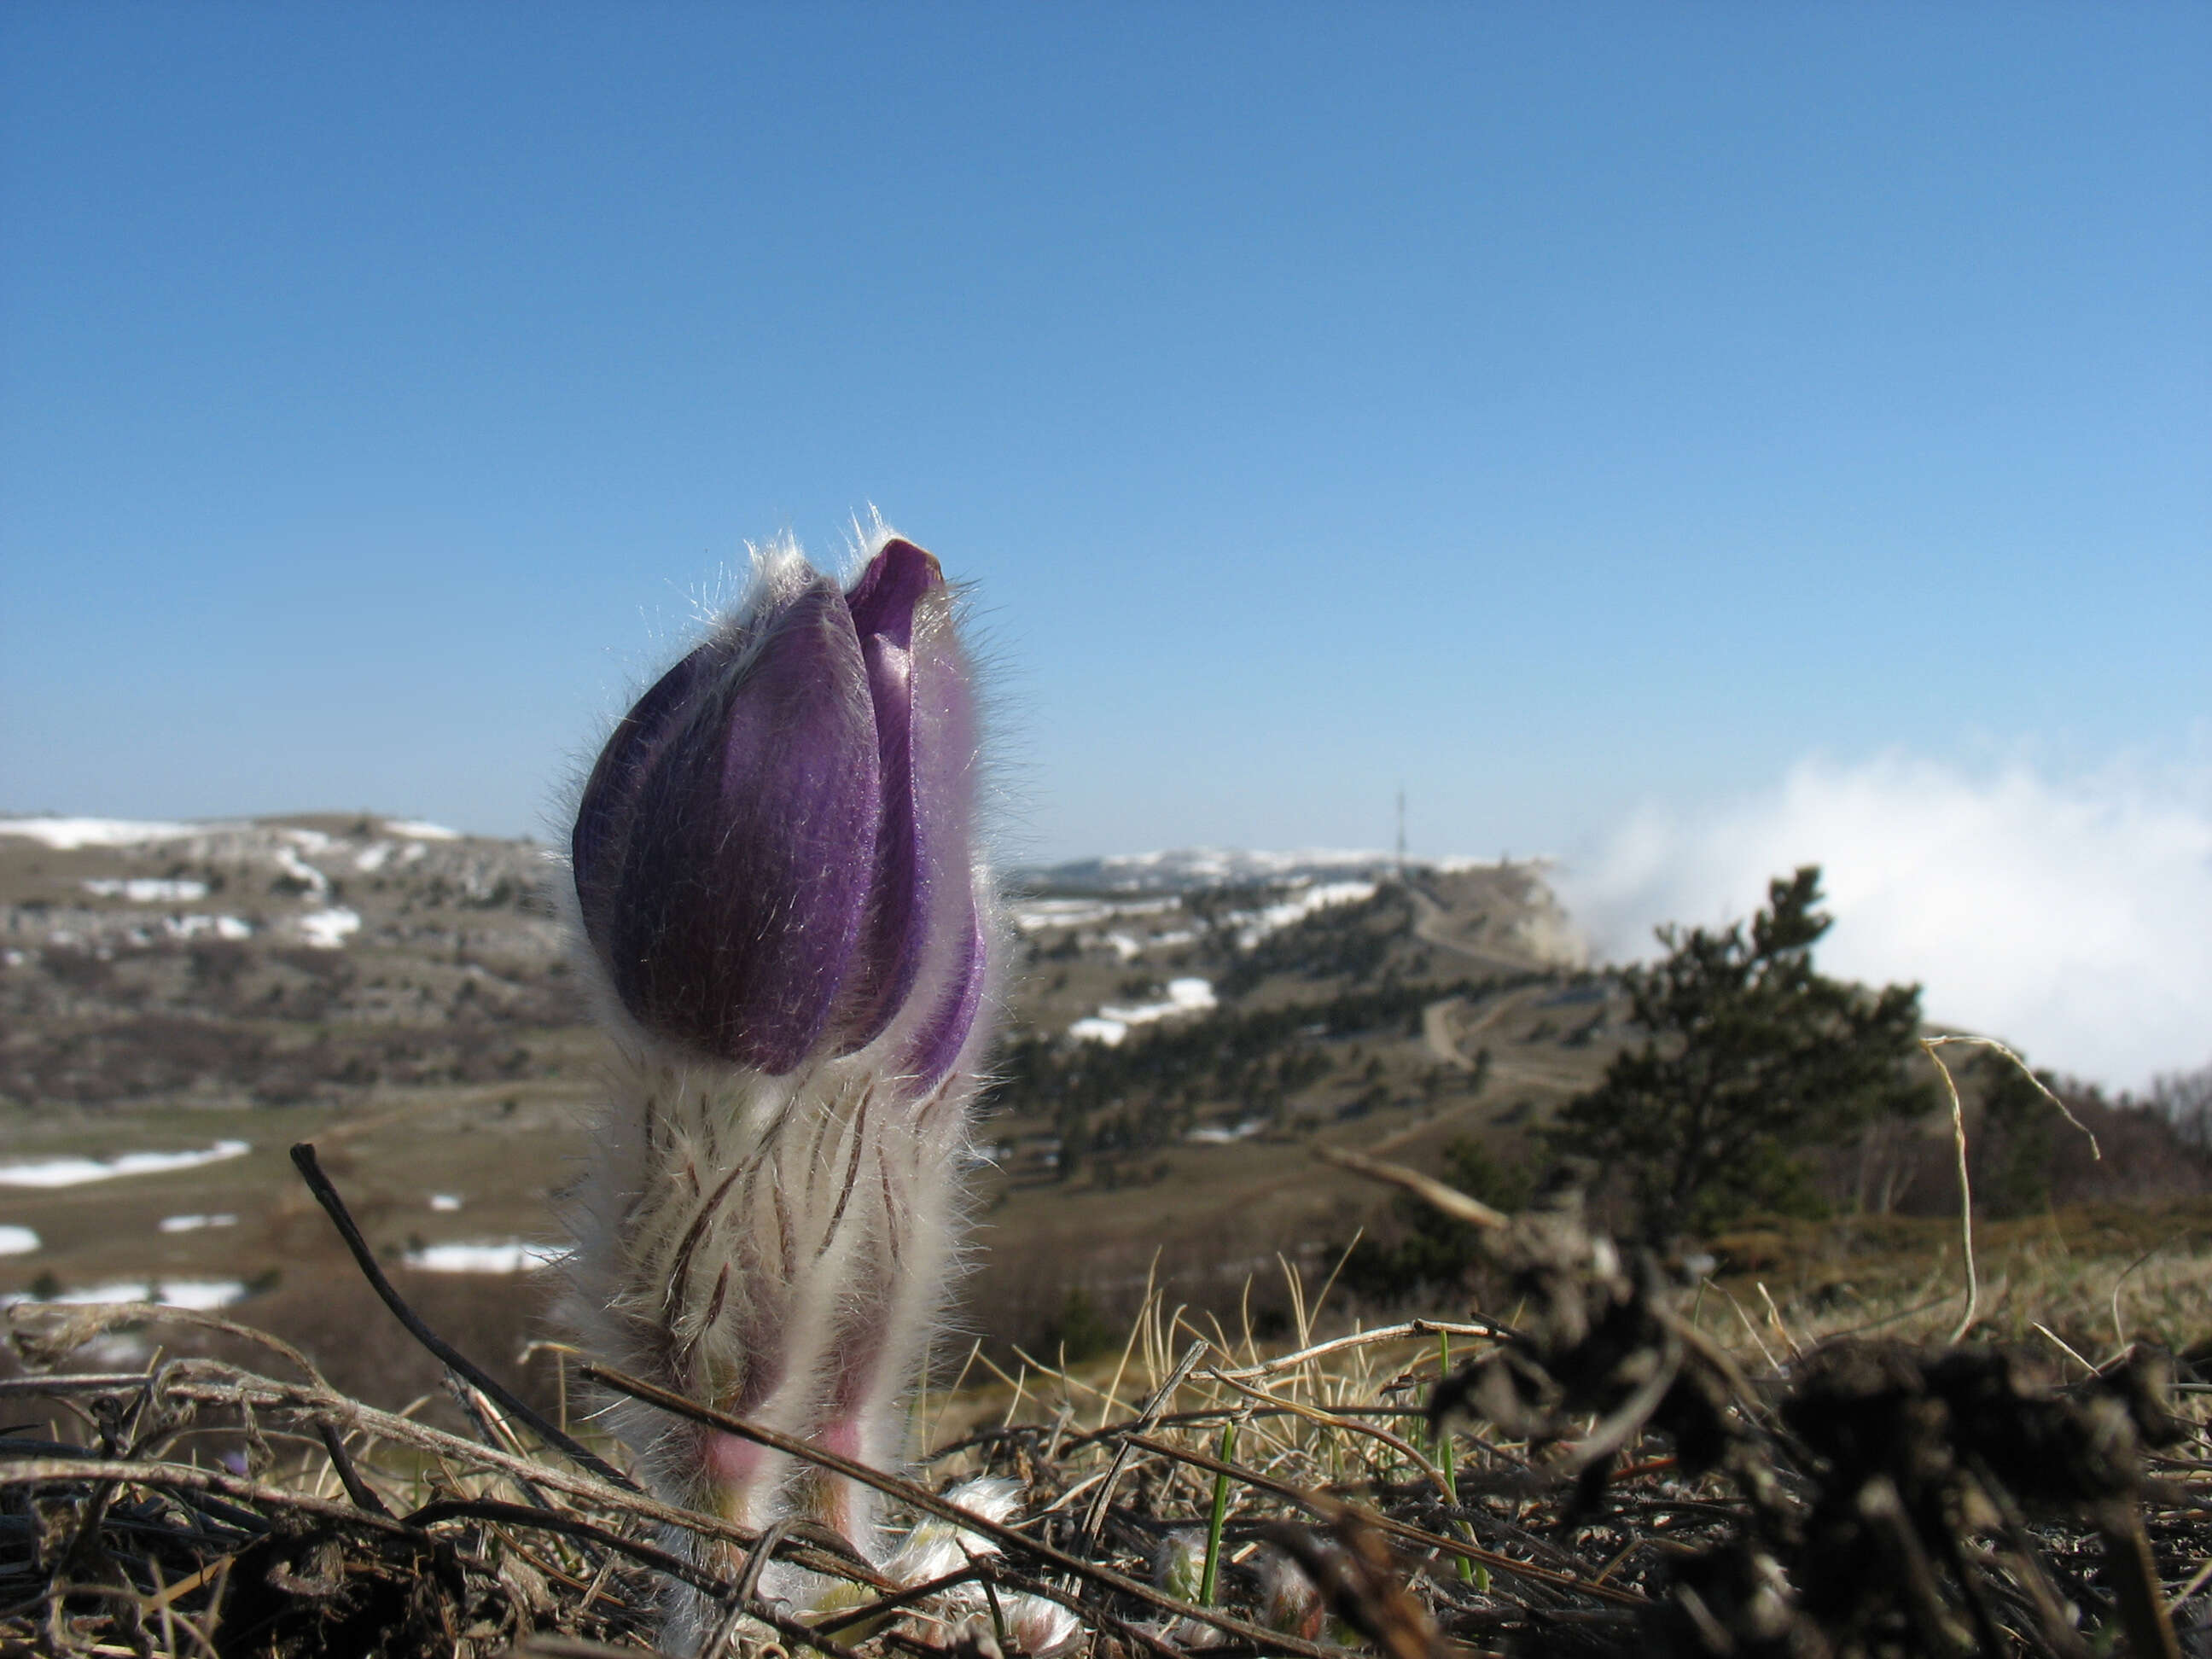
{"type": "Point", "coordinates": [1401, 832]}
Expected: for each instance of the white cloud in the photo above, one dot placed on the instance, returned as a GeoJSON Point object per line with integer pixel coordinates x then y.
{"type": "Point", "coordinates": [2072, 917]}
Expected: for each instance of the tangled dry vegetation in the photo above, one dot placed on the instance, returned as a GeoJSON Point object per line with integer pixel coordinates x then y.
{"type": "Point", "coordinates": [1623, 1464]}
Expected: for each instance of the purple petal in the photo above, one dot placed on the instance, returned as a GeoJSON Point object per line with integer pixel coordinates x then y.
{"type": "Point", "coordinates": [945, 777]}
{"type": "Point", "coordinates": [746, 876]}
{"type": "Point", "coordinates": [936, 1043]}
{"type": "Point", "coordinates": [604, 815]}
{"type": "Point", "coordinates": [883, 598]}
{"type": "Point", "coordinates": [899, 581]}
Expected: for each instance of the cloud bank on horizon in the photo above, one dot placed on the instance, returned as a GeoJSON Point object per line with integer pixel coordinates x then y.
{"type": "Point", "coordinates": [2071, 917]}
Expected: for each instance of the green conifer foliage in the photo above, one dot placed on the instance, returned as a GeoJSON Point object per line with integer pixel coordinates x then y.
{"type": "Point", "coordinates": [1751, 1060]}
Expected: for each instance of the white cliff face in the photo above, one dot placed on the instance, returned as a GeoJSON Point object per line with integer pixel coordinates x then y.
{"type": "Point", "coordinates": [1549, 935]}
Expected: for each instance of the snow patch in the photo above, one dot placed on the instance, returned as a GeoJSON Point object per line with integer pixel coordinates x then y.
{"type": "Point", "coordinates": [445, 1200]}
{"type": "Point", "coordinates": [1211, 1134]}
{"type": "Point", "coordinates": [1252, 925]}
{"type": "Point", "coordinates": [1320, 896]}
{"type": "Point", "coordinates": [192, 1223]}
{"type": "Point", "coordinates": [202, 1294]}
{"type": "Point", "coordinates": [67, 835]}
{"type": "Point", "coordinates": [1234, 864]}
{"type": "Point", "coordinates": [1060, 912]}
{"type": "Point", "coordinates": [76, 1171]}
{"type": "Point", "coordinates": [1109, 1025]}
{"type": "Point", "coordinates": [328, 930]}
{"type": "Point", "coordinates": [150, 890]}
{"type": "Point", "coordinates": [372, 858]}
{"type": "Point", "coordinates": [17, 1241]}
{"type": "Point", "coordinates": [513, 1257]}
{"type": "Point", "coordinates": [302, 872]}
{"type": "Point", "coordinates": [1040, 913]}
{"type": "Point", "coordinates": [415, 830]}
{"type": "Point", "coordinates": [228, 928]}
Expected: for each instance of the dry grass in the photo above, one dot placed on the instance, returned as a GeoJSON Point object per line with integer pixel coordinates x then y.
{"type": "Point", "coordinates": [1633, 1466]}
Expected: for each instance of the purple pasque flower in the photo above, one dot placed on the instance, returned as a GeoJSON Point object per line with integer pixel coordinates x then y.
{"type": "Point", "coordinates": [777, 840]}
{"type": "Point", "coordinates": [780, 894]}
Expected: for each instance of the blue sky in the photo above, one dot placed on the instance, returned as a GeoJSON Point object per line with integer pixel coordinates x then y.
{"type": "Point", "coordinates": [1574, 413]}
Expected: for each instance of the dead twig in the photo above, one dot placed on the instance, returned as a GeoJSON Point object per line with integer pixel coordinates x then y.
{"type": "Point", "coordinates": [311, 1171]}
{"type": "Point", "coordinates": [1449, 1199]}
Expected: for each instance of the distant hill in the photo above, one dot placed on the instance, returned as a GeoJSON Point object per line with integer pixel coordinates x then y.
{"type": "Point", "coordinates": [179, 1001]}
{"type": "Point", "coordinates": [312, 957]}
{"type": "Point", "coordinates": [274, 961]}
{"type": "Point", "coordinates": [1182, 1025]}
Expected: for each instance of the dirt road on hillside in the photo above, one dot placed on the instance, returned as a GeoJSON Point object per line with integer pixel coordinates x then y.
{"type": "Point", "coordinates": [1437, 1025]}
{"type": "Point", "coordinates": [1430, 921]}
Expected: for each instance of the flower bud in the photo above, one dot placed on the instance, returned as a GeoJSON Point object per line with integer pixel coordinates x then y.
{"type": "Point", "coordinates": [1178, 1564]}
{"type": "Point", "coordinates": [779, 892]}
{"type": "Point", "coordinates": [773, 852]}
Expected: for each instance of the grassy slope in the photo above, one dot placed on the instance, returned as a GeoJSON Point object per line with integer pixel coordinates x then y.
{"type": "Point", "coordinates": [440, 1052]}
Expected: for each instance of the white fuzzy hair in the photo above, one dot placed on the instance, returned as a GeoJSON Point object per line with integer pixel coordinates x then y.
{"type": "Point", "coordinates": [781, 1248]}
